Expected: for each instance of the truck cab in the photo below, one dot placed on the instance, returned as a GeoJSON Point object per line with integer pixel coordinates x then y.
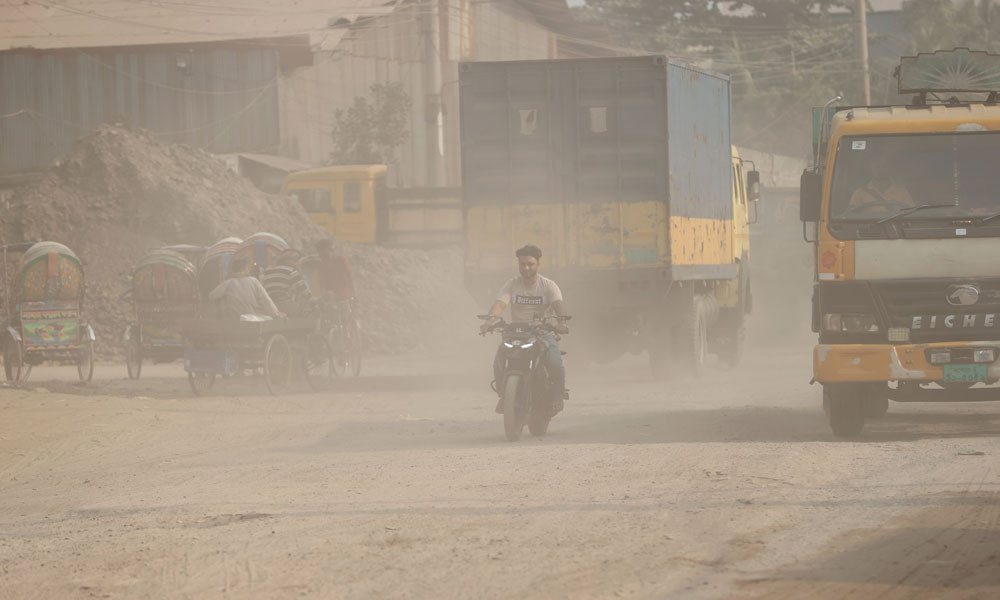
{"type": "Point", "coordinates": [354, 204]}
{"type": "Point", "coordinates": [906, 299]}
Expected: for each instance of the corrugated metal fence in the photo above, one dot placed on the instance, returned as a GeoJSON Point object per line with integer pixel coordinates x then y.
{"type": "Point", "coordinates": [222, 100]}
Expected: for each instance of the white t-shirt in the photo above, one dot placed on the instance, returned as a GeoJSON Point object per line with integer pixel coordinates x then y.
{"type": "Point", "coordinates": [527, 301]}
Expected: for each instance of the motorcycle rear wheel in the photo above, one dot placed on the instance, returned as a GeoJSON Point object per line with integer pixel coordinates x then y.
{"type": "Point", "coordinates": [513, 425]}
{"type": "Point", "coordinates": [538, 423]}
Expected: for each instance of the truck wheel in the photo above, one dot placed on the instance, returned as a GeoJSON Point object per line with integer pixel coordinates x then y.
{"type": "Point", "coordinates": [846, 403]}
{"type": "Point", "coordinates": [659, 361]}
{"type": "Point", "coordinates": [876, 405]}
{"type": "Point", "coordinates": [694, 336]}
{"type": "Point", "coordinates": [732, 340]}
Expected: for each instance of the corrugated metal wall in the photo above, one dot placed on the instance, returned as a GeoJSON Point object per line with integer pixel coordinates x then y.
{"type": "Point", "coordinates": [391, 49]}
{"type": "Point", "coordinates": [222, 100]}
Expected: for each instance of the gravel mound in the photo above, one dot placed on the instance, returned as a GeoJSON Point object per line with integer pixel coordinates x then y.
{"type": "Point", "coordinates": [120, 193]}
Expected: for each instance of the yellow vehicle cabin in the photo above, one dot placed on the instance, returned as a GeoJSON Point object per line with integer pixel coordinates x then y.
{"type": "Point", "coordinates": [906, 301]}
{"type": "Point", "coordinates": [354, 204]}
{"type": "Point", "coordinates": [340, 198]}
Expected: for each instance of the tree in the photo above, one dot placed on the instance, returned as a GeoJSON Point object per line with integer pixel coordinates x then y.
{"type": "Point", "coordinates": [783, 56]}
{"type": "Point", "coordinates": [944, 24]}
{"type": "Point", "coordinates": [369, 131]}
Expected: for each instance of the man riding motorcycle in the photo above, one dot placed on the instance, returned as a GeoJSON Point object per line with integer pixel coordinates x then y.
{"type": "Point", "coordinates": [531, 296]}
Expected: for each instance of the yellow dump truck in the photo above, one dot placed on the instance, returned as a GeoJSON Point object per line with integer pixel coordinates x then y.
{"type": "Point", "coordinates": [622, 171]}
{"type": "Point", "coordinates": [354, 203]}
{"type": "Point", "coordinates": [906, 205]}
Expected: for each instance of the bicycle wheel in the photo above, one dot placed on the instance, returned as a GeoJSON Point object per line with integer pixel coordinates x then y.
{"type": "Point", "coordinates": [354, 347]}
{"type": "Point", "coordinates": [317, 362]}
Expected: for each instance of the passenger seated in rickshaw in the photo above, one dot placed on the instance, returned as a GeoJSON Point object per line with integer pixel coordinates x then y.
{"type": "Point", "coordinates": [242, 297]}
{"type": "Point", "coordinates": [286, 285]}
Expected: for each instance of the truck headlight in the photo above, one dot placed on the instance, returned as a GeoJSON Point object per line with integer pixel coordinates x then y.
{"type": "Point", "coordinates": [987, 355]}
{"type": "Point", "coordinates": [940, 357]}
{"type": "Point", "coordinates": [849, 323]}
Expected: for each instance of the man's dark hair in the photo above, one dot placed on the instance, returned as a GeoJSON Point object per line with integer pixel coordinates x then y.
{"type": "Point", "coordinates": [529, 250]}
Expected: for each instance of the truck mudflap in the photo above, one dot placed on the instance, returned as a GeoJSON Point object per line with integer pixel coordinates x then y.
{"type": "Point", "coordinates": [842, 363]}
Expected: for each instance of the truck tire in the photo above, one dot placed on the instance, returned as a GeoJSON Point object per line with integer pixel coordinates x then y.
{"type": "Point", "coordinates": [846, 403]}
{"type": "Point", "coordinates": [733, 324]}
{"type": "Point", "coordinates": [692, 338]}
{"type": "Point", "coordinates": [876, 404]}
{"type": "Point", "coordinates": [659, 360]}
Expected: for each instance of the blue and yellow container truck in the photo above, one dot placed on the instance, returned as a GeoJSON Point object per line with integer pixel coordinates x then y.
{"type": "Point", "coordinates": [623, 171]}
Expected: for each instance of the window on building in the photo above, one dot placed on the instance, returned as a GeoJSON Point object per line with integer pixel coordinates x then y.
{"type": "Point", "coordinates": [529, 121]}
{"type": "Point", "coordinates": [598, 119]}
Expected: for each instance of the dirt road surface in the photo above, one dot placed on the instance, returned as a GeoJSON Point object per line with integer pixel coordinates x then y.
{"type": "Point", "coordinates": [400, 484]}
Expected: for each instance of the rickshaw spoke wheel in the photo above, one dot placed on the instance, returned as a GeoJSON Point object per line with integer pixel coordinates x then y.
{"type": "Point", "coordinates": [277, 363]}
{"type": "Point", "coordinates": [133, 357]}
{"type": "Point", "coordinates": [339, 356]}
{"type": "Point", "coordinates": [85, 362]}
{"type": "Point", "coordinates": [201, 383]}
{"type": "Point", "coordinates": [13, 362]}
{"type": "Point", "coordinates": [318, 362]}
{"type": "Point", "coordinates": [354, 348]}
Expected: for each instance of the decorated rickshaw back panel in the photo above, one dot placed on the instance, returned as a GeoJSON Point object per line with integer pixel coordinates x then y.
{"type": "Point", "coordinates": [54, 324]}
{"type": "Point", "coordinates": [50, 271]}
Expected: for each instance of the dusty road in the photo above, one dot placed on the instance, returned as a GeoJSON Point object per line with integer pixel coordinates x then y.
{"type": "Point", "coordinates": [400, 485]}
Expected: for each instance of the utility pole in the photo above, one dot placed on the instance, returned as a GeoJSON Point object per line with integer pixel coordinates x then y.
{"type": "Point", "coordinates": [862, 7]}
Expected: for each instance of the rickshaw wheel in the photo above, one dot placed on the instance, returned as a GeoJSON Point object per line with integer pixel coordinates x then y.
{"type": "Point", "coordinates": [85, 362]}
{"type": "Point", "coordinates": [317, 362]}
{"type": "Point", "coordinates": [277, 363]}
{"type": "Point", "coordinates": [133, 358]}
{"type": "Point", "coordinates": [201, 383]}
{"type": "Point", "coordinates": [13, 365]}
{"type": "Point", "coordinates": [337, 351]}
{"type": "Point", "coordinates": [354, 348]}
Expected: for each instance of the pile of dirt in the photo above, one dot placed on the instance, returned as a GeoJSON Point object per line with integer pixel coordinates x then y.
{"type": "Point", "coordinates": [120, 193]}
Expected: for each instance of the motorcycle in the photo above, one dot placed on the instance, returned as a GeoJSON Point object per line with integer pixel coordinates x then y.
{"type": "Point", "coordinates": [524, 385]}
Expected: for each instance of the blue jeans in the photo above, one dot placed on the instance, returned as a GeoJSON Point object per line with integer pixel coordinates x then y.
{"type": "Point", "coordinates": [551, 358]}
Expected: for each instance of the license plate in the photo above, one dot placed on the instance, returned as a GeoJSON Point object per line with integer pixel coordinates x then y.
{"type": "Point", "coordinates": [966, 373]}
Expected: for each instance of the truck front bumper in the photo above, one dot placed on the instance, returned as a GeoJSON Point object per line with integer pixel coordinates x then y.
{"type": "Point", "coordinates": [833, 363]}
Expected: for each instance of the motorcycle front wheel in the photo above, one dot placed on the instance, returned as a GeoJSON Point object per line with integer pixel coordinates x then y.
{"type": "Point", "coordinates": [512, 422]}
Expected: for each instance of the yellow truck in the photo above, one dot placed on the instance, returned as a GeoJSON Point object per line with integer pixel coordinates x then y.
{"type": "Point", "coordinates": [354, 203]}
{"type": "Point", "coordinates": [622, 170]}
{"type": "Point", "coordinates": [906, 205]}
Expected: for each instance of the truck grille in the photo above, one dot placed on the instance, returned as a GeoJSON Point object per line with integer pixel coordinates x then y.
{"type": "Point", "coordinates": [973, 312]}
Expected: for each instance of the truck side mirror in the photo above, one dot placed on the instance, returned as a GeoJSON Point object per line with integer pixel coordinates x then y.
{"type": "Point", "coordinates": [753, 186]}
{"type": "Point", "coordinates": [810, 196]}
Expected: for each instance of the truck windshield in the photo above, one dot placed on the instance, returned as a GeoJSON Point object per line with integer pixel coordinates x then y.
{"type": "Point", "coordinates": [881, 175]}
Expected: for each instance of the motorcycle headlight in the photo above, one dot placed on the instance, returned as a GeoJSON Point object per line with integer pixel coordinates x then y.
{"type": "Point", "coordinates": [527, 345]}
{"type": "Point", "coordinates": [508, 344]}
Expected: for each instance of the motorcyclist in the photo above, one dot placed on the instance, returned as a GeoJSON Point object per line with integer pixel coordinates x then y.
{"type": "Point", "coordinates": [529, 296]}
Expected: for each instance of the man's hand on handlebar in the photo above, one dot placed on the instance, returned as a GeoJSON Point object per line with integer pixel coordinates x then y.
{"type": "Point", "coordinates": [489, 322]}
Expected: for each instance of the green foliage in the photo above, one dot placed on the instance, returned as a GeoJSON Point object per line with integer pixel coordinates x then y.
{"type": "Point", "coordinates": [369, 131]}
